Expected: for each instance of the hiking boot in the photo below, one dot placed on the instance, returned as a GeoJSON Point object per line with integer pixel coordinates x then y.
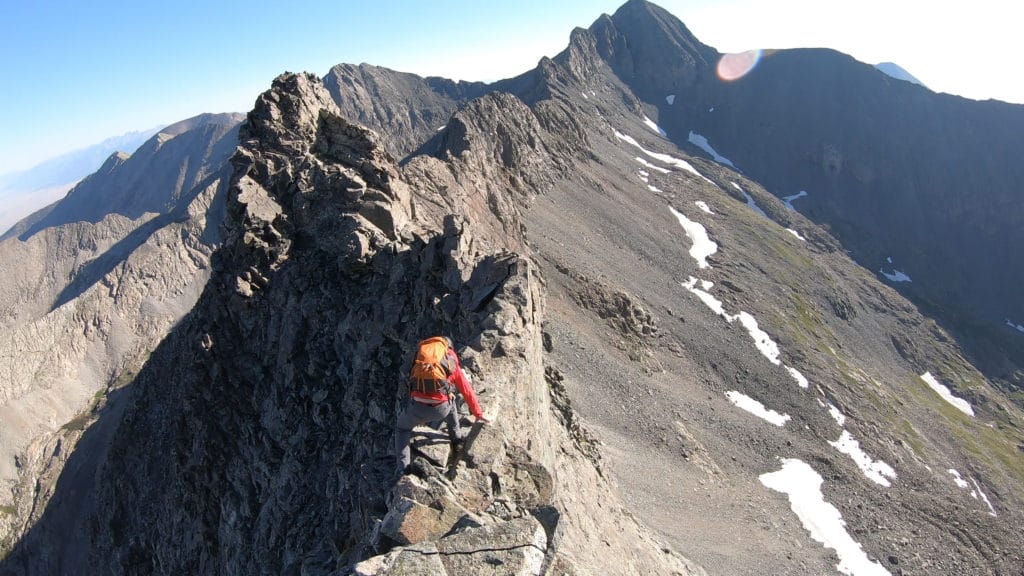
{"type": "Point", "coordinates": [459, 439]}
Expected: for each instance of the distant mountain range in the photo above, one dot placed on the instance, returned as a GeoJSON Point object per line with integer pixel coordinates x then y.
{"type": "Point", "coordinates": [26, 191]}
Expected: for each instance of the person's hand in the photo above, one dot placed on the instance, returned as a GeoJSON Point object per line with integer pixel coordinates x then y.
{"type": "Point", "coordinates": [483, 419]}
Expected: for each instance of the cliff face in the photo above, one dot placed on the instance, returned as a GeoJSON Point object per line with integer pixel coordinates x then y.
{"type": "Point", "coordinates": [258, 437]}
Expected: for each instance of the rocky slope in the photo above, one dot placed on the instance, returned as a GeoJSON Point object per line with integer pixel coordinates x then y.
{"type": "Point", "coordinates": [908, 180]}
{"type": "Point", "coordinates": [90, 299]}
{"type": "Point", "coordinates": [614, 278]}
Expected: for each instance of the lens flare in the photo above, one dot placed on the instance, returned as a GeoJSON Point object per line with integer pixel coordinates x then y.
{"type": "Point", "coordinates": [735, 66]}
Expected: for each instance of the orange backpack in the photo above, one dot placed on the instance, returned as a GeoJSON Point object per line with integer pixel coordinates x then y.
{"type": "Point", "coordinates": [432, 367]}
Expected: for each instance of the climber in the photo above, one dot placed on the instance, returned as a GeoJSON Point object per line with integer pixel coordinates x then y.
{"type": "Point", "coordinates": [432, 397]}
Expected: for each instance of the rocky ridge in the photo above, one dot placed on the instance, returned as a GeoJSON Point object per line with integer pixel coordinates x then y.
{"type": "Point", "coordinates": [270, 406]}
{"type": "Point", "coordinates": [413, 108]}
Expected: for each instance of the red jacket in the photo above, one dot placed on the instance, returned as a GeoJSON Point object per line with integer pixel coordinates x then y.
{"type": "Point", "coordinates": [458, 378]}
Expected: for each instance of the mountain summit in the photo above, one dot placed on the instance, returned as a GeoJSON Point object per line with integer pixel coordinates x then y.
{"type": "Point", "coordinates": [660, 282]}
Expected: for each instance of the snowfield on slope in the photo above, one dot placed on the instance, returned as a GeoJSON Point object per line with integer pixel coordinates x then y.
{"type": "Point", "coordinates": [654, 126]}
{"type": "Point", "coordinates": [788, 200]}
{"type": "Point", "coordinates": [665, 158]}
{"type": "Point", "coordinates": [702, 245]}
{"type": "Point", "coordinates": [750, 201]}
{"type": "Point", "coordinates": [747, 403]}
{"type": "Point", "coordinates": [947, 395]}
{"type": "Point", "coordinates": [702, 143]}
{"type": "Point", "coordinates": [802, 484]}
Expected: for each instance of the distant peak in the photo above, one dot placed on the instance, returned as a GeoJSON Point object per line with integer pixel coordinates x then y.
{"type": "Point", "coordinates": [113, 161]}
{"type": "Point", "coordinates": [650, 49]}
{"type": "Point", "coordinates": [896, 71]}
{"type": "Point", "coordinates": [648, 25]}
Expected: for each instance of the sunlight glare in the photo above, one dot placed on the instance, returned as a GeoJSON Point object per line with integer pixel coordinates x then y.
{"type": "Point", "coordinates": [735, 66]}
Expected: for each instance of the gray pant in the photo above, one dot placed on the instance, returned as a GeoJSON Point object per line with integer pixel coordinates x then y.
{"type": "Point", "coordinates": [415, 414]}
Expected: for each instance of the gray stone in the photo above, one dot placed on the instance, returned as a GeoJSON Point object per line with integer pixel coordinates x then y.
{"type": "Point", "coordinates": [420, 560]}
{"type": "Point", "coordinates": [524, 480]}
{"type": "Point", "coordinates": [515, 547]}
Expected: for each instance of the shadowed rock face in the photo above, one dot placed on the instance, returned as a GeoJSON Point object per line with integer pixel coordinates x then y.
{"type": "Point", "coordinates": [86, 297]}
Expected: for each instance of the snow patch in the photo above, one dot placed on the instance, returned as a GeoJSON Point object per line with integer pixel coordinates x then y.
{"type": "Point", "coordinates": [671, 99]}
{"type": "Point", "coordinates": [958, 479]}
{"type": "Point", "coordinates": [653, 126]}
{"type": "Point", "coordinates": [788, 200]}
{"type": "Point", "coordinates": [442, 127]}
{"type": "Point", "coordinates": [702, 143]}
{"type": "Point", "coordinates": [765, 345]}
{"type": "Point", "coordinates": [801, 380]}
{"type": "Point", "coordinates": [876, 470]}
{"type": "Point", "coordinates": [654, 189]}
{"type": "Point", "coordinates": [1011, 324]}
{"type": "Point", "coordinates": [838, 416]}
{"type": "Point", "coordinates": [710, 301]}
{"type": "Point", "coordinates": [895, 276]}
{"type": "Point", "coordinates": [666, 158]}
{"type": "Point", "coordinates": [702, 244]}
{"type": "Point", "coordinates": [991, 510]}
{"type": "Point", "coordinates": [797, 234]}
{"type": "Point", "coordinates": [958, 403]}
{"type": "Point", "coordinates": [756, 408]}
{"type": "Point", "coordinates": [750, 201]}
{"type": "Point", "coordinates": [652, 166]}
{"type": "Point", "coordinates": [768, 348]}
{"type": "Point", "coordinates": [802, 484]}
{"type": "Point", "coordinates": [703, 206]}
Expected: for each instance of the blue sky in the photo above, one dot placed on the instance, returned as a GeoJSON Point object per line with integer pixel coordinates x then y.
{"type": "Point", "coordinates": [76, 73]}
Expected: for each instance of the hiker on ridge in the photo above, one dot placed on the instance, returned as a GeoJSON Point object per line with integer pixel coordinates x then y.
{"type": "Point", "coordinates": [432, 396]}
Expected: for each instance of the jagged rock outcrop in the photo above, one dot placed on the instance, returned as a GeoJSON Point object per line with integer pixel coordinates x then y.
{"type": "Point", "coordinates": [411, 108]}
{"type": "Point", "coordinates": [91, 299]}
{"type": "Point", "coordinates": [258, 436]}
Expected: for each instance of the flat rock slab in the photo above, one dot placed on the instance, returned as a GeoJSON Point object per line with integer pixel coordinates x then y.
{"type": "Point", "coordinates": [410, 522]}
{"type": "Point", "coordinates": [422, 560]}
{"type": "Point", "coordinates": [515, 547]}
